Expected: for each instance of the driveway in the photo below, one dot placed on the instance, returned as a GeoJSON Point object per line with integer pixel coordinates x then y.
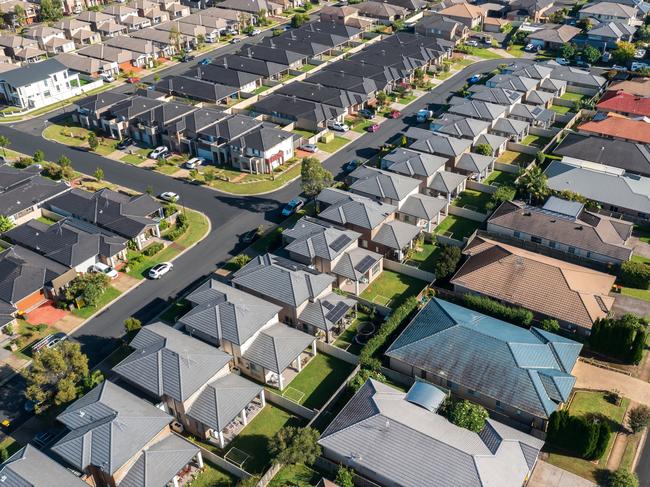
{"type": "Point", "coordinates": [596, 378]}
{"type": "Point", "coordinates": [547, 475]}
{"type": "Point", "coordinates": [627, 304]}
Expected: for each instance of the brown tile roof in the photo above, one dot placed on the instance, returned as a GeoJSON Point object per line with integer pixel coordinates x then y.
{"type": "Point", "coordinates": [462, 10]}
{"type": "Point", "coordinates": [638, 87]}
{"type": "Point", "coordinates": [620, 128]}
{"type": "Point", "coordinates": [550, 287]}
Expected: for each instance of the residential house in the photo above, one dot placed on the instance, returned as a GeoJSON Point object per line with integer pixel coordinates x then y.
{"type": "Point", "coordinates": [120, 12]}
{"type": "Point", "coordinates": [366, 86]}
{"type": "Point", "coordinates": [579, 80]}
{"type": "Point", "coordinates": [189, 32]}
{"type": "Point", "coordinates": [118, 439]}
{"type": "Point", "coordinates": [196, 89]}
{"type": "Point", "coordinates": [304, 46]}
{"type": "Point", "coordinates": [619, 192]}
{"type": "Point", "coordinates": [556, 87]}
{"type": "Point", "coordinates": [245, 81]}
{"type": "Point", "coordinates": [135, 22]}
{"type": "Point", "coordinates": [460, 127]}
{"type": "Point", "coordinates": [573, 295]}
{"type": "Point", "coordinates": [212, 140]}
{"type": "Point", "coordinates": [540, 98]}
{"type": "Point", "coordinates": [608, 12]}
{"type": "Point", "coordinates": [608, 34]}
{"type": "Point", "coordinates": [553, 37]}
{"type": "Point", "coordinates": [91, 110]}
{"type": "Point", "coordinates": [69, 242]}
{"type": "Point", "coordinates": [476, 166]}
{"type": "Point", "coordinates": [155, 15]}
{"type": "Point", "coordinates": [160, 38]}
{"type": "Point", "coordinates": [480, 110]}
{"type": "Point", "coordinates": [495, 142]}
{"type": "Point", "coordinates": [618, 127]}
{"type": "Point", "coordinates": [111, 28]}
{"type": "Point", "coordinates": [265, 70]}
{"type": "Point", "coordinates": [497, 96]}
{"type": "Point", "coordinates": [50, 39]}
{"type": "Point", "coordinates": [467, 14]}
{"type": "Point", "coordinates": [424, 211]}
{"type": "Point", "coordinates": [124, 58]}
{"type": "Point", "coordinates": [633, 158]}
{"type": "Point", "coordinates": [26, 14]}
{"type": "Point", "coordinates": [514, 83]}
{"type": "Point", "coordinates": [263, 150]}
{"type": "Point", "coordinates": [177, 10]}
{"type": "Point", "coordinates": [378, 417]}
{"type": "Point", "coordinates": [140, 46]}
{"type": "Point", "coordinates": [624, 104]}
{"type": "Point", "coordinates": [24, 191]}
{"type": "Point", "coordinates": [449, 345]}
{"type": "Point", "coordinates": [346, 15]}
{"type": "Point", "coordinates": [133, 217]}
{"type": "Point", "coordinates": [450, 147]}
{"type": "Point", "coordinates": [535, 10]}
{"type": "Point", "coordinates": [253, 7]}
{"type": "Point", "coordinates": [385, 77]}
{"type": "Point", "coordinates": [293, 60]}
{"type": "Point", "coordinates": [443, 27]}
{"type": "Point", "coordinates": [414, 164]}
{"type": "Point", "coordinates": [389, 187]}
{"type": "Point", "coordinates": [87, 65]}
{"type": "Point", "coordinates": [535, 115]}
{"type": "Point", "coordinates": [72, 26]}
{"type": "Point", "coordinates": [383, 13]}
{"type": "Point", "coordinates": [512, 129]}
{"type": "Point", "coordinates": [636, 86]}
{"type": "Point", "coordinates": [306, 115]}
{"type": "Point", "coordinates": [29, 466]}
{"type": "Point", "coordinates": [93, 18]}
{"type": "Point", "coordinates": [567, 227]}
{"type": "Point", "coordinates": [13, 45]}
{"type": "Point", "coordinates": [348, 100]}
{"type": "Point", "coordinates": [447, 185]}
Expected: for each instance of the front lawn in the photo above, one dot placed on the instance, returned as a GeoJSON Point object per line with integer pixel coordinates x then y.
{"type": "Point", "coordinates": [456, 227]}
{"type": "Point", "coordinates": [66, 134]}
{"type": "Point", "coordinates": [407, 99]}
{"type": "Point", "coordinates": [517, 50]}
{"type": "Point", "coordinates": [516, 158]}
{"type": "Point", "coordinates": [258, 183]}
{"type": "Point", "coordinates": [295, 475]}
{"type": "Point", "coordinates": [304, 133]}
{"type": "Point", "coordinates": [260, 89]}
{"type": "Point", "coordinates": [391, 289]}
{"type": "Point", "coordinates": [482, 52]}
{"type": "Point", "coordinates": [322, 376]}
{"type": "Point", "coordinates": [642, 294]}
{"type": "Point", "coordinates": [362, 126]}
{"type": "Point", "coordinates": [500, 178]}
{"type": "Point", "coordinates": [167, 169]}
{"type": "Point", "coordinates": [473, 200]}
{"type": "Point", "coordinates": [109, 295]}
{"type": "Point", "coordinates": [332, 146]}
{"type": "Point", "coordinates": [134, 159]}
{"type": "Point", "coordinates": [213, 476]}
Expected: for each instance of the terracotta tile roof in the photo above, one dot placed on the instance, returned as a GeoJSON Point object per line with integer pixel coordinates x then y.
{"type": "Point", "coordinates": [462, 10]}
{"type": "Point", "coordinates": [550, 287]}
{"type": "Point", "coordinates": [625, 103]}
{"type": "Point", "coordinates": [619, 127]}
{"type": "Point", "coordinates": [638, 87]}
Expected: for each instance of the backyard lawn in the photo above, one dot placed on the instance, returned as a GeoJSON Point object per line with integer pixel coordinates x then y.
{"type": "Point", "coordinates": [109, 295]}
{"type": "Point", "coordinates": [473, 200]}
{"type": "Point", "coordinates": [536, 141]}
{"type": "Point", "coordinates": [332, 146]}
{"type": "Point", "coordinates": [391, 289]}
{"type": "Point", "coordinates": [295, 475]}
{"type": "Point", "coordinates": [318, 381]}
{"type": "Point", "coordinates": [516, 158]}
{"type": "Point", "coordinates": [501, 178]}
{"type": "Point", "coordinates": [426, 257]}
{"type": "Point", "coordinates": [213, 476]}
{"type": "Point", "coordinates": [255, 439]}
{"type": "Point", "coordinates": [575, 97]}
{"type": "Point", "coordinates": [561, 110]}
{"type": "Point", "coordinates": [586, 402]}
{"type": "Point", "coordinates": [456, 227]}
{"type": "Point", "coordinates": [346, 339]}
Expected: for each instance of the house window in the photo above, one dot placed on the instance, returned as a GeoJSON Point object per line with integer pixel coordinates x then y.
{"type": "Point", "coordinates": [551, 244]}
{"type": "Point", "coordinates": [517, 234]}
{"type": "Point", "coordinates": [536, 240]}
{"type": "Point", "coordinates": [499, 405]}
{"type": "Point", "coordinates": [364, 244]}
{"type": "Point", "coordinates": [572, 250]}
{"type": "Point", "coordinates": [375, 268]}
{"type": "Point", "coordinates": [471, 392]}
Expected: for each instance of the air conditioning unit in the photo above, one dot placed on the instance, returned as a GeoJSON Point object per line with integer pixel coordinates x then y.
{"type": "Point", "coordinates": [177, 427]}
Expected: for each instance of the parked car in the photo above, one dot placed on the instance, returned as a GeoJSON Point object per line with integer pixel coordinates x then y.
{"type": "Point", "coordinates": [636, 66]}
{"type": "Point", "coordinates": [530, 48]}
{"type": "Point", "coordinates": [132, 80]}
{"type": "Point", "coordinates": [159, 270]}
{"type": "Point", "coordinates": [187, 58]}
{"type": "Point", "coordinates": [639, 54]}
{"type": "Point", "coordinates": [101, 268]}
{"type": "Point", "coordinates": [204, 62]}
{"type": "Point", "coordinates": [249, 237]}
{"type": "Point", "coordinates": [618, 67]}
{"type": "Point", "coordinates": [583, 64]}
{"type": "Point", "coordinates": [394, 114]}
{"type": "Point", "coordinates": [373, 128]}
{"type": "Point", "coordinates": [562, 61]}
{"type": "Point", "coordinates": [475, 79]}
{"type": "Point", "coordinates": [338, 126]}
{"type": "Point", "coordinates": [158, 152]}
{"type": "Point", "coordinates": [124, 143]}
{"type": "Point", "coordinates": [49, 341]}
{"type": "Point", "coordinates": [293, 206]}
{"type": "Point", "coordinates": [365, 113]}
{"type": "Point", "coordinates": [309, 147]}
{"type": "Point", "coordinates": [169, 196]}
{"type": "Point", "coordinates": [350, 166]}
{"type": "Point", "coordinates": [255, 32]}
{"type": "Point", "coordinates": [423, 115]}
{"type": "Point", "coordinates": [108, 77]}
{"type": "Point", "coordinates": [194, 162]}
{"type": "Point", "coordinates": [471, 43]}
{"type": "Point", "coordinates": [234, 40]}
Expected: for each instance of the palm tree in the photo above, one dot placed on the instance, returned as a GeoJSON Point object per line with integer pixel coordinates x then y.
{"type": "Point", "coordinates": [534, 184]}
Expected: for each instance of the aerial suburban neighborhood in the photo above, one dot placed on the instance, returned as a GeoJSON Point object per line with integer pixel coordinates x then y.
{"type": "Point", "coordinates": [324, 243]}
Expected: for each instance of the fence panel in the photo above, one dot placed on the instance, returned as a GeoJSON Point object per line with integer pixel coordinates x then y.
{"type": "Point", "coordinates": [409, 270]}
{"type": "Point", "coordinates": [337, 352]}
{"type": "Point", "coordinates": [483, 188]}
{"type": "Point", "coordinates": [289, 405]}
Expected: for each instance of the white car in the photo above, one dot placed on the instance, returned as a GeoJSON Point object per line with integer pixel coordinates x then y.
{"type": "Point", "coordinates": [471, 43]}
{"type": "Point", "coordinates": [338, 126]}
{"type": "Point", "coordinates": [194, 162]}
{"type": "Point", "coordinates": [618, 67]}
{"type": "Point", "coordinates": [530, 48]}
{"type": "Point", "coordinates": [108, 77]}
{"type": "Point", "coordinates": [562, 61]}
{"type": "Point", "coordinates": [169, 196]}
{"type": "Point", "coordinates": [158, 151]}
{"type": "Point", "coordinates": [639, 54]}
{"type": "Point", "coordinates": [255, 32]}
{"type": "Point", "coordinates": [102, 268]}
{"type": "Point", "coordinates": [159, 270]}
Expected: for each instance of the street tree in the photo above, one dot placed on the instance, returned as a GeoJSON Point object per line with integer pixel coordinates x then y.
{"type": "Point", "coordinates": [5, 224]}
{"type": "Point", "coordinates": [93, 141]}
{"type": "Point", "coordinates": [39, 156]}
{"type": "Point", "coordinates": [314, 177]}
{"type": "Point", "coordinates": [132, 324]}
{"type": "Point", "coordinates": [623, 478]}
{"type": "Point", "coordinates": [99, 174]}
{"type": "Point", "coordinates": [568, 51]}
{"type": "Point", "coordinates": [64, 161]}
{"type": "Point", "coordinates": [4, 143]}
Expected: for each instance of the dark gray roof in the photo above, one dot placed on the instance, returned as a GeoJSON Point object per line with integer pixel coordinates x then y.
{"type": "Point", "coordinates": [277, 346]}
{"type": "Point", "coordinates": [500, 96]}
{"type": "Point", "coordinates": [32, 73]}
{"type": "Point", "coordinates": [313, 238]}
{"type": "Point", "coordinates": [532, 112]}
{"type": "Point", "coordinates": [539, 97]}
{"type": "Point", "coordinates": [282, 279]}
{"type": "Point", "coordinates": [263, 139]}
{"type": "Point", "coordinates": [223, 312]}
{"type": "Point", "coordinates": [382, 184]}
{"type": "Point", "coordinates": [471, 161]}
{"type": "Point", "coordinates": [167, 362]}
{"type": "Point", "coordinates": [344, 81]}
{"type": "Point", "coordinates": [23, 188]}
{"type": "Point", "coordinates": [109, 426]}
{"type": "Point", "coordinates": [510, 126]}
{"type": "Point", "coordinates": [303, 46]}
{"type": "Point", "coordinates": [478, 109]}
{"type": "Point", "coordinates": [324, 313]}
{"type": "Point", "coordinates": [224, 76]}
{"type": "Point", "coordinates": [296, 109]}
{"type": "Point", "coordinates": [230, 128]}
{"type": "Point", "coordinates": [246, 64]}
{"type": "Point", "coordinates": [384, 436]}
{"type": "Point", "coordinates": [471, 349]}
{"type": "Point", "coordinates": [412, 163]}
{"type": "Point", "coordinates": [222, 400]}
{"type": "Point", "coordinates": [322, 94]}
{"type": "Point", "coordinates": [28, 467]}
{"type": "Point", "coordinates": [354, 264]}
{"type": "Point", "coordinates": [459, 126]}
{"type": "Point", "coordinates": [423, 206]}
{"type": "Point", "coordinates": [443, 146]}
{"type": "Point", "coordinates": [195, 88]}
{"type": "Point", "coordinates": [381, 74]}
{"type": "Point", "coordinates": [577, 76]}
{"type": "Point", "coordinates": [511, 82]}
{"type": "Point", "coordinates": [492, 140]}
{"type": "Point", "coordinates": [614, 30]}
{"type": "Point", "coordinates": [348, 208]}
{"type": "Point", "coordinates": [99, 101]}
{"type": "Point", "coordinates": [271, 54]}
{"type": "Point", "coordinates": [446, 181]}
{"type": "Point", "coordinates": [396, 234]}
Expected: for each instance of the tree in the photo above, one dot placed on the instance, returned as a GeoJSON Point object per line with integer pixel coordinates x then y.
{"type": "Point", "coordinates": [93, 379]}
{"type": "Point", "coordinates": [51, 10]}
{"type": "Point", "coordinates": [175, 38]}
{"type": "Point", "coordinates": [591, 54]}
{"type": "Point", "coordinates": [156, 78]}
{"type": "Point", "coordinates": [503, 193]}
{"type": "Point", "coordinates": [550, 325]}
{"type": "Point", "coordinates": [5, 224]}
{"type": "Point", "coordinates": [251, 481]}
{"type": "Point", "coordinates": [39, 156]}
{"type": "Point", "coordinates": [468, 415]}
{"type": "Point", "coordinates": [64, 161]}
{"type": "Point", "coordinates": [132, 324]}
{"type": "Point", "coordinates": [635, 274]}
{"type": "Point", "coordinates": [21, 16]}
{"type": "Point", "coordinates": [4, 143]}
{"type": "Point", "coordinates": [209, 174]}
{"type": "Point", "coordinates": [558, 16]}
{"type": "Point", "coordinates": [484, 149]}
{"type": "Point", "coordinates": [344, 477]}
{"type": "Point", "coordinates": [293, 445]}
{"type": "Point", "coordinates": [54, 374]}
{"type": "Point", "coordinates": [299, 19]}
{"type": "Point", "coordinates": [639, 418]}
{"type": "Point", "coordinates": [623, 337]}
{"type": "Point", "coordinates": [362, 376]}
{"type": "Point", "coordinates": [643, 33]}
{"type": "Point", "coordinates": [88, 287]}
{"type": "Point", "coordinates": [568, 51]}
{"type": "Point", "coordinates": [533, 183]}
{"type": "Point", "coordinates": [624, 52]}
{"type": "Point", "coordinates": [314, 177]}
{"type": "Point", "coordinates": [200, 41]}
{"type": "Point", "coordinates": [4, 455]}
{"type": "Point", "coordinates": [98, 174]}
{"type": "Point", "coordinates": [448, 260]}
{"type": "Point", "coordinates": [241, 260]}
{"type": "Point", "coordinates": [623, 478]}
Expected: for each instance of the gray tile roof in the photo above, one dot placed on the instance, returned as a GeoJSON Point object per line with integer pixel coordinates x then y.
{"type": "Point", "coordinates": [322, 94]}
{"type": "Point", "coordinates": [614, 30]}
{"type": "Point", "coordinates": [412, 163]}
{"type": "Point", "coordinates": [263, 139]}
{"type": "Point", "coordinates": [350, 264]}
{"type": "Point", "coordinates": [442, 146]}
{"type": "Point", "coordinates": [223, 312]}
{"type": "Point", "coordinates": [159, 464]}
{"type": "Point", "coordinates": [382, 184]}
{"type": "Point", "coordinates": [23, 188]}
{"type": "Point", "coordinates": [32, 73]}
{"type": "Point", "coordinates": [324, 313]}
{"type": "Point", "coordinates": [459, 126]}
{"type": "Point", "coordinates": [492, 140]}
{"type": "Point", "coordinates": [28, 467]}
{"type": "Point", "coordinates": [553, 85]}
{"type": "Point", "coordinates": [277, 346]}
{"type": "Point", "coordinates": [195, 88]}
{"type": "Point", "coordinates": [312, 238]}
{"type": "Point", "coordinates": [296, 109]}
{"type": "Point", "coordinates": [511, 82]}
{"type": "Point", "coordinates": [471, 349]}
{"type": "Point", "coordinates": [471, 161]}
{"type": "Point", "coordinates": [510, 126]}
{"type": "Point", "coordinates": [281, 279]}
{"type": "Point", "coordinates": [396, 234]}
{"type": "Point", "coordinates": [222, 400]}
{"type": "Point", "coordinates": [478, 109]}
{"type": "Point", "coordinates": [576, 76]}
{"type": "Point", "coordinates": [109, 426]}
{"type": "Point", "coordinates": [532, 113]}
{"type": "Point", "coordinates": [500, 96]}
{"type": "Point", "coordinates": [423, 206]}
{"type": "Point", "coordinates": [534, 71]}
{"type": "Point", "coordinates": [447, 182]}
{"type": "Point", "coordinates": [167, 362]}
{"type": "Point", "coordinates": [392, 441]}
{"type": "Point", "coordinates": [539, 97]}
{"type": "Point", "coordinates": [348, 208]}
{"type": "Point", "coordinates": [225, 76]}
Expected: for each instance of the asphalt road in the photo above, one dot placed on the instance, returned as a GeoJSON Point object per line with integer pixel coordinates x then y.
{"type": "Point", "coordinates": [230, 217]}
{"type": "Point", "coordinates": [643, 467]}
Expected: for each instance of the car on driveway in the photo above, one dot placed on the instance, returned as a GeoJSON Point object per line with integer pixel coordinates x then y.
{"type": "Point", "coordinates": [365, 113]}
{"type": "Point", "coordinates": [373, 128]}
{"type": "Point", "coordinates": [394, 114]}
{"type": "Point", "coordinates": [562, 61]}
{"type": "Point", "coordinates": [158, 152]}
{"type": "Point", "coordinates": [49, 341]}
{"type": "Point", "coordinates": [249, 237]}
{"type": "Point", "coordinates": [338, 126]}
{"type": "Point", "coordinates": [169, 196]}
{"type": "Point", "coordinates": [194, 162]}
{"type": "Point", "coordinates": [234, 40]}
{"type": "Point", "coordinates": [471, 43]}
{"type": "Point", "coordinates": [255, 32]}
{"type": "Point", "coordinates": [309, 147]}
{"type": "Point", "coordinates": [530, 48]}
{"type": "Point", "coordinates": [159, 270]}
{"type": "Point", "coordinates": [475, 79]}
{"type": "Point", "coordinates": [124, 143]}
{"type": "Point", "coordinates": [350, 166]}
{"type": "Point", "coordinates": [101, 268]}
{"type": "Point", "coordinates": [204, 62]}
{"type": "Point", "coordinates": [293, 206]}
{"type": "Point", "coordinates": [187, 58]}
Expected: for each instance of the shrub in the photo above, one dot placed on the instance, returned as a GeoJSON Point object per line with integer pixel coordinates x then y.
{"type": "Point", "coordinates": [639, 418]}
{"type": "Point", "coordinates": [623, 338]}
{"type": "Point", "coordinates": [448, 260]}
{"type": "Point", "coordinates": [362, 376]}
{"type": "Point", "coordinates": [635, 274]}
{"type": "Point", "coordinates": [88, 287]}
{"type": "Point", "coordinates": [153, 249]}
{"type": "Point", "coordinates": [518, 316]}
{"type": "Point", "coordinates": [132, 324]}
{"type": "Point", "coordinates": [604, 433]}
{"type": "Point", "coordinates": [241, 260]}
{"type": "Point", "coordinates": [135, 257]}
{"type": "Point", "coordinates": [623, 478]}
{"type": "Point", "coordinates": [468, 415]}
{"type": "Point", "coordinates": [344, 477]}
{"type": "Point", "coordinates": [169, 209]}
{"type": "Point", "coordinates": [550, 325]}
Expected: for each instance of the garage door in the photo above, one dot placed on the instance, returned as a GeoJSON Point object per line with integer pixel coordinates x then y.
{"type": "Point", "coordinates": [31, 301]}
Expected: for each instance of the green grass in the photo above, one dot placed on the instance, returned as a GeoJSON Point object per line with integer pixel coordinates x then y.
{"type": "Point", "coordinates": [426, 258]}
{"type": "Point", "coordinates": [132, 159]}
{"type": "Point", "coordinates": [260, 89]}
{"type": "Point", "coordinates": [640, 258]}
{"type": "Point", "coordinates": [407, 99]}
{"type": "Point", "coordinates": [46, 220]}
{"type": "Point", "coordinates": [10, 445]}
{"type": "Point", "coordinates": [67, 135]}
{"type": "Point", "coordinates": [305, 68]}
{"type": "Point", "coordinates": [517, 50]}
{"type": "Point", "coordinates": [391, 289]}
{"type": "Point", "coordinates": [256, 438]}
{"type": "Point", "coordinates": [335, 144]}
{"type": "Point", "coordinates": [213, 476]}
{"type": "Point", "coordinates": [575, 97]}
{"type": "Point", "coordinates": [482, 52]}
{"type": "Point", "coordinates": [175, 311]}
{"type": "Point", "coordinates": [167, 169]}
{"type": "Point", "coordinates": [346, 339]}
{"type": "Point", "coordinates": [109, 295]}
{"type": "Point", "coordinates": [516, 158]}
{"type": "Point", "coordinates": [586, 402]}
{"type": "Point", "coordinates": [320, 379]}
{"type": "Point", "coordinates": [642, 294]}
{"type": "Point", "coordinates": [264, 183]}
{"type": "Point", "coordinates": [642, 232]}
{"type": "Point", "coordinates": [304, 133]}
{"type": "Point", "coordinates": [473, 200]}
{"type": "Point", "coordinates": [362, 127]}
{"type": "Point", "coordinates": [457, 226]}
{"type": "Point", "coordinates": [500, 178]}
{"type": "Point", "coordinates": [295, 475]}
{"type": "Point", "coordinates": [560, 110]}
{"type": "Point", "coordinates": [630, 451]}
{"type": "Point", "coordinates": [536, 141]}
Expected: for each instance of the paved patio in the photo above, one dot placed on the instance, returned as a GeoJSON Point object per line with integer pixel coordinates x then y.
{"type": "Point", "coordinates": [547, 475]}
{"type": "Point", "coordinates": [596, 378]}
{"type": "Point", "coordinates": [46, 313]}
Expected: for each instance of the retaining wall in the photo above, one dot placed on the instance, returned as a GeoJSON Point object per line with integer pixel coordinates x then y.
{"type": "Point", "coordinates": [511, 168]}
{"type": "Point", "coordinates": [526, 149]}
{"type": "Point", "coordinates": [443, 240]}
{"type": "Point", "coordinates": [542, 132]}
{"type": "Point", "coordinates": [408, 270]}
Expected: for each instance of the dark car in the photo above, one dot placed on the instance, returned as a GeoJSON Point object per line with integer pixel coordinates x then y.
{"type": "Point", "coordinates": [350, 166]}
{"type": "Point", "coordinates": [249, 237]}
{"type": "Point", "coordinates": [187, 58]}
{"type": "Point", "coordinates": [203, 62]}
{"type": "Point", "coordinates": [124, 143]}
{"type": "Point", "coordinates": [365, 113]}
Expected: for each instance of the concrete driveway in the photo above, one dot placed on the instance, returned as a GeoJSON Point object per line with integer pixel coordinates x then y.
{"type": "Point", "coordinates": [626, 304]}
{"type": "Point", "coordinates": [547, 475]}
{"type": "Point", "coordinates": [595, 378]}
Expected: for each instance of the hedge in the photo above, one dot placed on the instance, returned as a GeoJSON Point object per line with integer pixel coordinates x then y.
{"type": "Point", "coordinates": [584, 436]}
{"type": "Point", "coordinates": [153, 249]}
{"type": "Point", "coordinates": [623, 338]}
{"type": "Point", "coordinates": [635, 274]}
{"type": "Point", "coordinates": [400, 314]}
{"type": "Point", "coordinates": [518, 316]}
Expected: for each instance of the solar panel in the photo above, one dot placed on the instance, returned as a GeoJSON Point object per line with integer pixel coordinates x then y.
{"type": "Point", "coordinates": [366, 263]}
{"type": "Point", "coordinates": [340, 242]}
{"type": "Point", "coordinates": [338, 312]}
